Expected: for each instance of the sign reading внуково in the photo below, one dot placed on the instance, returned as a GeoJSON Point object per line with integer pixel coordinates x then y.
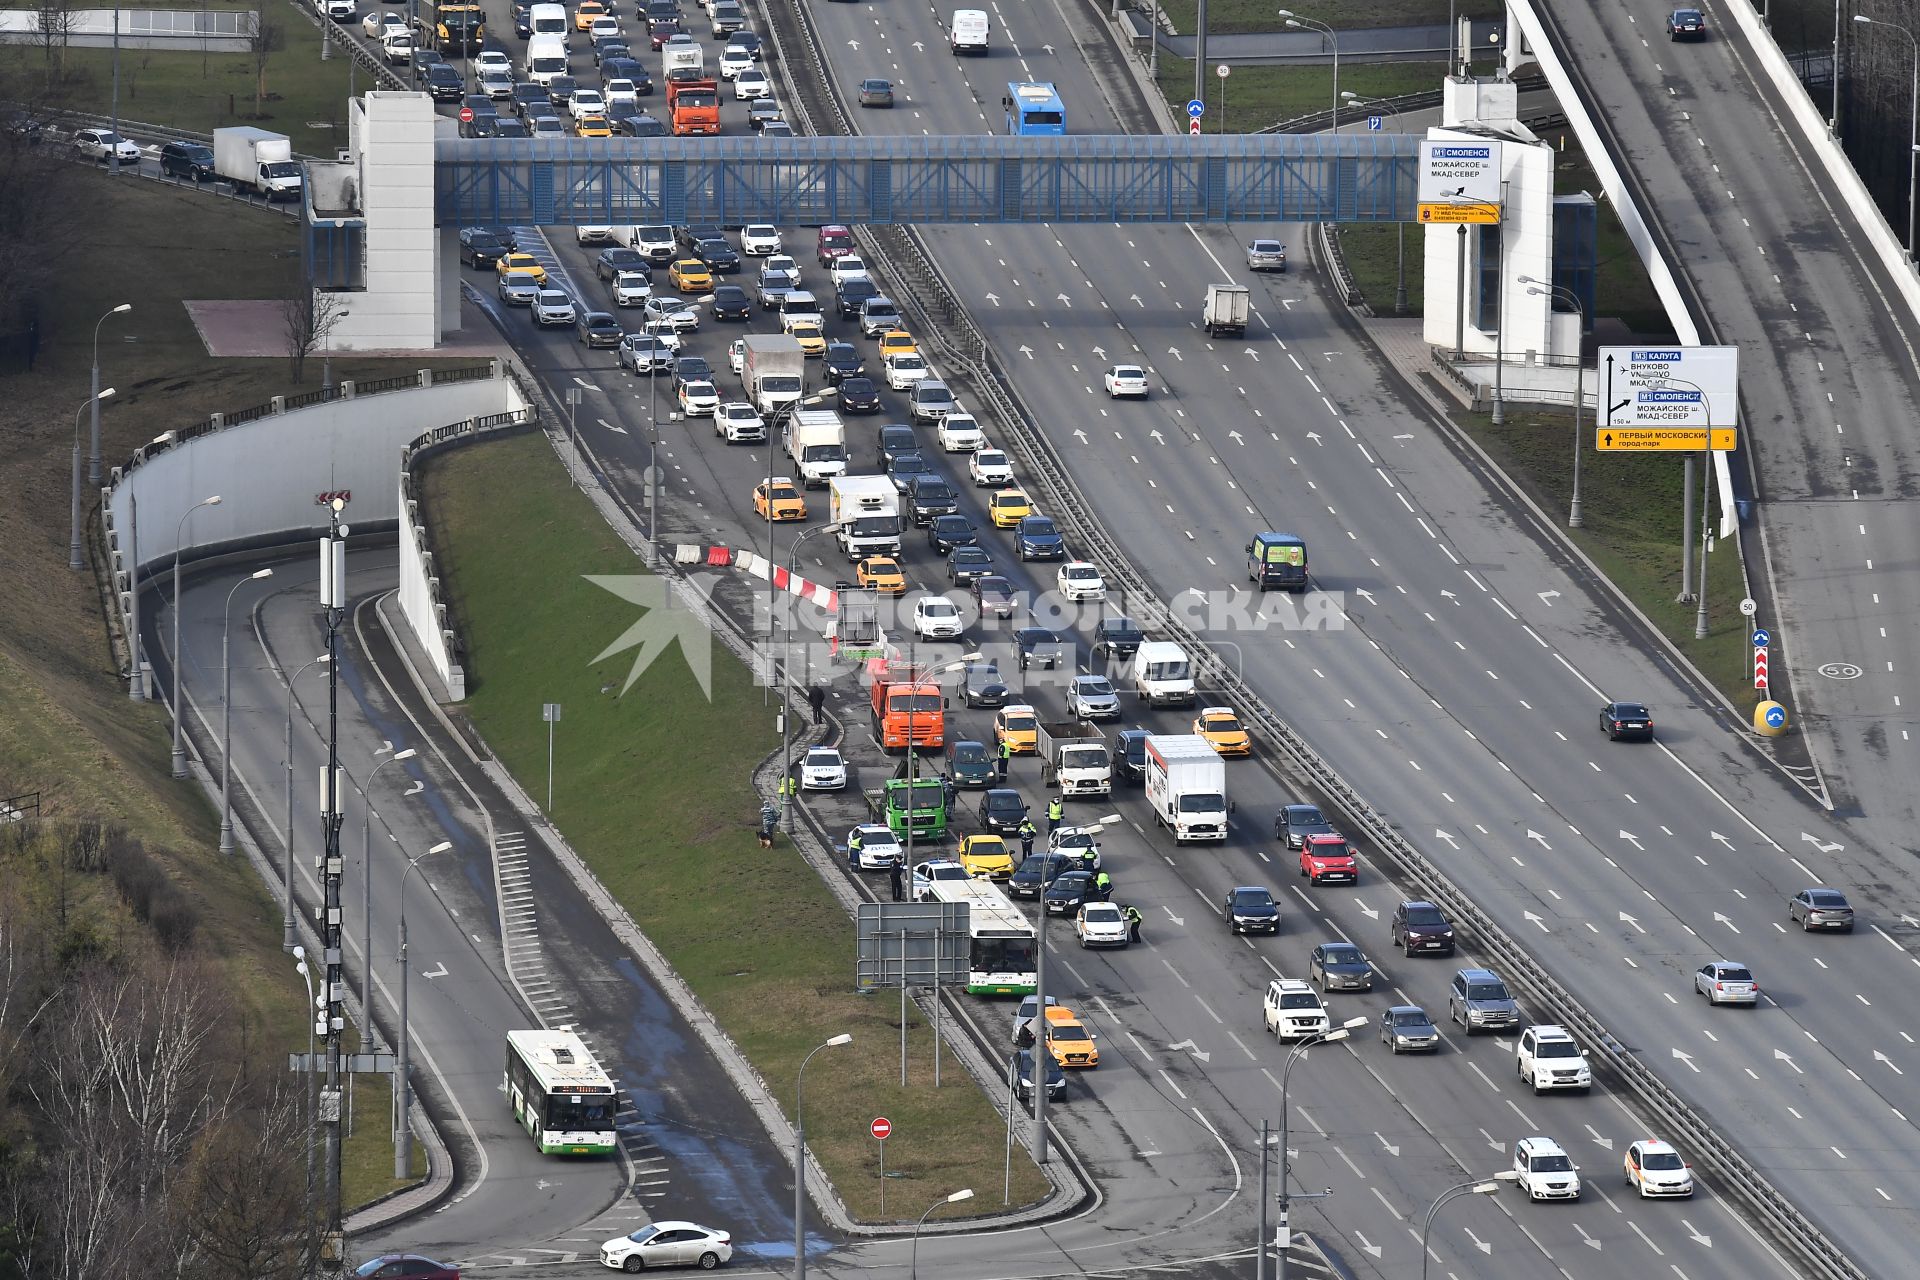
{"type": "Point", "coordinates": [1459, 180]}
{"type": "Point", "coordinates": [1669, 387]}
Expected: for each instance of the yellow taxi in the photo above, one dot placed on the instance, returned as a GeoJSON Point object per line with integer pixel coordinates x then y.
{"type": "Point", "coordinates": [521, 264]}
{"type": "Point", "coordinates": [1008, 508]}
{"type": "Point", "coordinates": [882, 574]}
{"type": "Point", "coordinates": [779, 501]}
{"type": "Point", "coordinates": [1018, 726]}
{"type": "Point", "coordinates": [593, 127]}
{"type": "Point", "coordinates": [986, 857]}
{"type": "Point", "coordinates": [1223, 731]}
{"type": "Point", "coordinates": [690, 275]}
{"type": "Point", "coordinates": [812, 339]}
{"type": "Point", "coordinates": [1068, 1039]}
{"type": "Point", "coordinates": [586, 12]}
{"type": "Point", "coordinates": [896, 342]}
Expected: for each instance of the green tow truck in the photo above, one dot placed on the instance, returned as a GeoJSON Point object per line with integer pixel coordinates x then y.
{"type": "Point", "coordinates": [919, 802]}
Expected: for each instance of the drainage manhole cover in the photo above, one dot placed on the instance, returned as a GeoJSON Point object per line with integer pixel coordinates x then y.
{"type": "Point", "coordinates": [1840, 671]}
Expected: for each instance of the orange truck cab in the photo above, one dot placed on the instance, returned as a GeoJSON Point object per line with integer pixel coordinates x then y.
{"type": "Point", "coordinates": [907, 709]}
{"type": "Point", "coordinates": [693, 106]}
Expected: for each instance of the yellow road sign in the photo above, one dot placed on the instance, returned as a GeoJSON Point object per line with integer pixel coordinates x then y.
{"type": "Point", "coordinates": [1452, 213]}
{"type": "Point", "coordinates": [1674, 439]}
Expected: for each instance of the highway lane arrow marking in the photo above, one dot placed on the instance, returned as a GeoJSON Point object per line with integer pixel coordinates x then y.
{"type": "Point", "coordinates": [1909, 921]}
{"type": "Point", "coordinates": [1136, 300]}
{"type": "Point", "coordinates": [438, 971]}
{"type": "Point", "coordinates": [1157, 437]}
{"type": "Point", "coordinates": [854, 45]}
{"type": "Point", "coordinates": [1081, 434]}
{"type": "Point", "coordinates": [1492, 1141]}
{"type": "Point", "coordinates": [1366, 595]}
{"type": "Point", "coordinates": [1175, 353]}
{"type": "Point", "coordinates": [1881, 1057]}
{"type": "Point", "coordinates": [1063, 300]}
{"type": "Point", "coordinates": [1372, 1250]}
{"type": "Point", "coordinates": [1191, 1048]}
{"type": "Point", "coordinates": [1548, 597]}
{"type": "Point", "coordinates": [1448, 595]}
{"type": "Point", "coordinates": [1627, 919]}
{"type": "Point", "coordinates": [1607, 1143]}
{"type": "Point", "coordinates": [1715, 835]}
{"type": "Point", "coordinates": [1391, 1149]}
{"type": "Point", "coordinates": [1438, 834]}
{"type": "Point", "coordinates": [994, 298]}
{"type": "Point", "coordinates": [1590, 1242]}
{"type": "Point", "coordinates": [1530, 916]}
{"type": "Point", "coordinates": [919, 46]}
{"type": "Point", "coordinates": [1026, 351]}
{"type": "Point", "coordinates": [1781, 1055]}
{"type": "Point", "coordinates": [1478, 1243]}
{"type": "Point", "coordinates": [1373, 913]}
{"type": "Point", "coordinates": [1542, 840]}
{"type": "Point", "coordinates": [609, 426]}
{"type": "Point", "coordinates": [1721, 919]}
{"type": "Point", "coordinates": [1698, 1237]}
{"type": "Point", "coordinates": [1628, 835]}
{"type": "Point", "coordinates": [1687, 1058]}
{"type": "Point", "coordinates": [1101, 352]}
{"type": "Point", "coordinates": [1237, 438]}
{"type": "Point", "coordinates": [1181, 921]}
{"type": "Point", "coordinates": [1047, 49]}
{"type": "Point", "coordinates": [1820, 844]}
{"type": "Point", "coordinates": [1314, 436]}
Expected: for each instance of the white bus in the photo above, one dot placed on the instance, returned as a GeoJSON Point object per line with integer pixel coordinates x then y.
{"type": "Point", "coordinates": [1001, 963]}
{"type": "Point", "coordinates": [559, 1093]}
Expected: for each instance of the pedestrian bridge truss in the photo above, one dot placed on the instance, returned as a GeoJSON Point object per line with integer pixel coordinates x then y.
{"type": "Point", "coordinates": [906, 180]}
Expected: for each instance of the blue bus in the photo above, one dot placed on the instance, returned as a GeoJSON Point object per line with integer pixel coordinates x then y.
{"type": "Point", "coordinates": [1034, 109]}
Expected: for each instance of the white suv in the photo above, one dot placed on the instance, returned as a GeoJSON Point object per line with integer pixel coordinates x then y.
{"type": "Point", "coordinates": [1548, 1058]}
{"type": "Point", "coordinates": [1294, 1010]}
{"type": "Point", "coordinates": [937, 618]}
{"type": "Point", "coordinates": [1545, 1170]}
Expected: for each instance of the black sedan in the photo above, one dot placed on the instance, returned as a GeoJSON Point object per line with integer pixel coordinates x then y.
{"type": "Point", "coordinates": [730, 302]}
{"type": "Point", "coordinates": [993, 596]}
{"type": "Point", "coordinates": [611, 262]}
{"type": "Point", "coordinates": [1686, 24]}
{"type": "Point", "coordinates": [598, 329]}
{"type": "Point", "coordinates": [1626, 720]}
{"type": "Point", "coordinates": [718, 255]}
{"type": "Point", "coordinates": [1251, 909]}
{"type": "Point", "coordinates": [1042, 647]}
{"type": "Point", "coordinates": [1340, 966]}
{"type": "Point", "coordinates": [982, 686]}
{"type": "Point", "coordinates": [843, 360]}
{"type": "Point", "coordinates": [691, 369]}
{"type": "Point", "coordinates": [1069, 891]}
{"type": "Point", "coordinates": [508, 127]}
{"type": "Point", "coordinates": [479, 247]}
{"type": "Point", "coordinates": [950, 531]}
{"type": "Point", "coordinates": [1295, 822]}
{"type": "Point", "coordinates": [1039, 871]}
{"type": "Point", "coordinates": [1002, 811]}
{"type": "Point", "coordinates": [965, 564]}
{"type": "Point", "coordinates": [859, 395]}
{"type": "Point", "coordinates": [903, 466]}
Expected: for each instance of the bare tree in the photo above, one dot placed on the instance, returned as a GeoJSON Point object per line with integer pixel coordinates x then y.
{"type": "Point", "coordinates": [311, 317]}
{"type": "Point", "coordinates": [264, 37]}
{"type": "Point", "coordinates": [242, 1206]}
{"type": "Point", "coordinates": [41, 223]}
{"type": "Point", "coordinates": [56, 21]}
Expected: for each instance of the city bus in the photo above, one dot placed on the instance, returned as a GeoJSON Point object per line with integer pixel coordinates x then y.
{"type": "Point", "coordinates": [559, 1093]}
{"type": "Point", "coordinates": [1034, 110]}
{"type": "Point", "coordinates": [1002, 952]}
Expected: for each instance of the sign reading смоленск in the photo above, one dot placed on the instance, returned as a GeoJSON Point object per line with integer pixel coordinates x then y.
{"type": "Point", "coordinates": [1459, 180]}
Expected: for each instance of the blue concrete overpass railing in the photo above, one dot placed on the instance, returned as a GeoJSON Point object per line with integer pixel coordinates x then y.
{"type": "Point", "coordinates": [899, 180]}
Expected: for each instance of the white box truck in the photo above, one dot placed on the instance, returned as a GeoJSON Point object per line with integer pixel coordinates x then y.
{"type": "Point", "coordinates": [1224, 314]}
{"type": "Point", "coordinates": [865, 511]}
{"type": "Point", "coordinates": [683, 57]}
{"type": "Point", "coordinates": [772, 365]}
{"type": "Point", "coordinates": [1074, 758]}
{"type": "Point", "coordinates": [816, 440]}
{"type": "Point", "coordinates": [257, 160]}
{"type": "Point", "coordinates": [1186, 784]}
{"type": "Point", "coordinates": [968, 31]}
{"type": "Point", "coordinates": [1162, 674]}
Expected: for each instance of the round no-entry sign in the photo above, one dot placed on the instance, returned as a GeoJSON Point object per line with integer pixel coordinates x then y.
{"type": "Point", "coordinates": [466, 115]}
{"type": "Point", "coordinates": [880, 1128]}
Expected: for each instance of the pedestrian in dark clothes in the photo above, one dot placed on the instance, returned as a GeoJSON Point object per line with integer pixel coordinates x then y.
{"type": "Point", "coordinates": [817, 698]}
{"type": "Point", "coordinates": [1027, 832]}
{"type": "Point", "coordinates": [896, 880]}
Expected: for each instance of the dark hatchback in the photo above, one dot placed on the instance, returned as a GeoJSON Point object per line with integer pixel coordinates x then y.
{"type": "Point", "coordinates": [730, 302]}
{"type": "Point", "coordinates": [598, 329]}
{"type": "Point", "coordinates": [1002, 810]}
{"type": "Point", "coordinates": [1621, 720]}
{"type": "Point", "coordinates": [850, 295]}
{"type": "Point", "coordinates": [1023, 1076]}
{"type": "Point", "coordinates": [950, 531]}
{"type": "Point", "coordinates": [966, 564]}
{"type": "Point", "coordinates": [843, 361]}
{"type": "Point", "coordinates": [1069, 890]}
{"type": "Point", "coordinates": [1295, 822]}
{"type": "Point", "coordinates": [1130, 755]}
{"type": "Point", "coordinates": [611, 262]}
{"type": "Point", "coordinates": [1117, 637]}
{"type": "Point", "coordinates": [968, 764]}
{"type": "Point", "coordinates": [994, 596]}
{"type": "Point", "coordinates": [1686, 24]}
{"type": "Point", "coordinates": [1039, 871]}
{"type": "Point", "coordinates": [480, 247]}
{"type": "Point", "coordinates": [859, 395]}
{"type": "Point", "coordinates": [1042, 647]}
{"type": "Point", "coordinates": [1422, 929]}
{"type": "Point", "coordinates": [981, 685]}
{"type": "Point", "coordinates": [904, 467]}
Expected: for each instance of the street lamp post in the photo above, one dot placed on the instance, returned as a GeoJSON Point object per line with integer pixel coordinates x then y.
{"type": "Point", "coordinates": [179, 664]}
{"type": "Point", "coordinates": [1478, 1187]}
{"type": "Point", "coordinates": [800, 1155]}
{"type": "Point", "coordinates": [93, 401]}
{"type": "Point", "coordinates": [300, 967]}
{"type": "Point", "coordinates": [1500, 317]}
{"type": "Point", "coordinates": [1400, 228]}
{"type": "Point", "coordinates": [574, 396]}
{"type": "Point", "coordinates": [1314, 24]}
{"type": "Point", "coordinates": [326, 350]}
{"type": "Point", "coordinates": [366, 882]}
{"type": "Point", "coordinates": [774, 425]}
{"type": "Point", "coordinates": [1564, 294]}
{"type": "Point", "coordinates": [403, 1148]}
{"type": "Point", "coordinates": [286, 835]}
{"type": "Point", "coordinates": [913, 1266]}
{"type": "Point", "coordinates": [1913, 117]}
{"type": "Point", "coordinates": [93, 453]}
{"type": "Point", "coordinates": [1286, 1073]}
{"type": "Point", "coordinates": [786, 714]}
{"type": "Point", "coordinates": [226, 711]}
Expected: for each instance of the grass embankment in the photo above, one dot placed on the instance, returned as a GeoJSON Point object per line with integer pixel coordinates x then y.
{"type": "Point", "coordinates": [67, 729]}
{"type": "Point", "coordinates": [653, 789]}
{"type": "Point", "coordinates": [1262, 96]}
{"type": "Point", "coordinates": [305, 97]}
{"type": "Point", "coordinates": [1343, 15]}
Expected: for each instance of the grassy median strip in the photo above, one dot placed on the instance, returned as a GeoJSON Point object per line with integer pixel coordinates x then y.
{"type": "Point", "coordinates": [652, 787]}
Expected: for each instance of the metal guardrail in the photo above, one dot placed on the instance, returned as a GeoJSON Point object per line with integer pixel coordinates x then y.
{"type": "Point", "coordinates": [384, 77]}
{"type": "Point", "coordinates": [964, 346]}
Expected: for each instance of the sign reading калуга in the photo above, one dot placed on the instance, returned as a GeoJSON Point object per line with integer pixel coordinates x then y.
{"type": "Point", "coordinates": [1459, 180]}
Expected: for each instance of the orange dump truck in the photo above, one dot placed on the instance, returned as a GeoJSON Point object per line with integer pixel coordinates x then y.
{"type": "Point", "coordinates": [693, 106]}
{"type": "Point", "coordinates": [907, 708]}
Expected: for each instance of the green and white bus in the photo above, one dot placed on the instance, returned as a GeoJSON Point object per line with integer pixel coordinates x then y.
{"type": "Point", "coordinates": [559, 1093]}
{"type": "Point", "coordinates": [1001, 962]}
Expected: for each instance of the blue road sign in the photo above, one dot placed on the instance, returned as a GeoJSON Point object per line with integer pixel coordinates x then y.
{"type": "Point", "coordinates": [1776, 717]}
{"type": "Point", "coordinates": [1376, 123]}
{"type": "Point", "coordinates": [1760, 638]}
{"type": "Point", "coordinates": [1196, 108]}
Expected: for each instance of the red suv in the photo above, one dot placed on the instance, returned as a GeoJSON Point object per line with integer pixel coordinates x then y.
{"type": "Point", "coordinates": [1326, 859]}
{"type": "Point", "coordinates": [835, 242]}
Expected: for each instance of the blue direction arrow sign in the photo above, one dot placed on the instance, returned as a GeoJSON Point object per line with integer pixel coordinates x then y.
{"type": "Point", "coordinates": [1776, 716]}
{"type": "Point", "coordinates": [1376, 123]}
{"type": "Point", "coordinates": [1196, 108]}
{"type": "Point", "coordinates": [1761, 639]}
